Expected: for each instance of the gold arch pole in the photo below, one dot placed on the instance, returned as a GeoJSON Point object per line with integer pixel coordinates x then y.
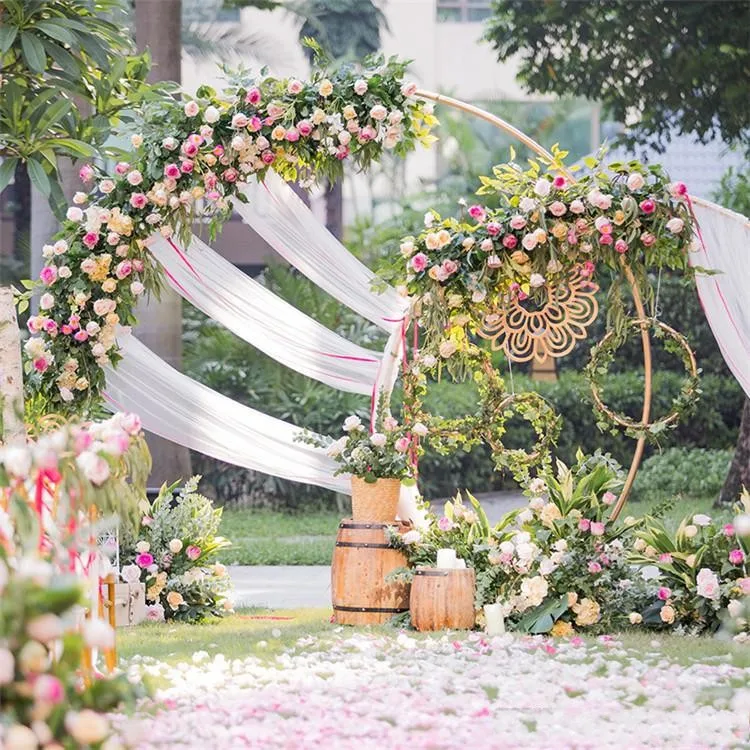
{"type": "Point", "coordinates": [506, 127]}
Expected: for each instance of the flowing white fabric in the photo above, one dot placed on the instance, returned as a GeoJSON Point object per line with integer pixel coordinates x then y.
{"type": "Point", "coordinates": [280, 216]}
{"type": "Point", "coordinates": [723, 246]}
{"type": "Point", "coordinates": [189, 413]}
{"type": "Point", "coordinates": [263, 319]}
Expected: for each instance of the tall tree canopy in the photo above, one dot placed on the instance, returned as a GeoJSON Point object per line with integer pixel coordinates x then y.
{"type": "Point", "coordinates": [674, 64]}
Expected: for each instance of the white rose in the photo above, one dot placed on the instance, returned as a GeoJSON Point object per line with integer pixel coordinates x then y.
{"type": "Point", "coordinates": [137, 288]}
{"type": "Point", "coordinates": [701, 519]}
{"type": "Point", "coordinates": [534, 590]}
{"type": "Point", "coordinates": [525, 516]}
{"type": "Point", "coordinates": [527, 204]}
{"type": "Point", "coordinates": [142, 547]}
{"type": "Point", "coordinates": [74, 214]}
{"type": "Point", "coordinates": [360, 87]}
{"type": "Point", "coordinates": [675, 225]}
{"type": "Point", "coordinates": [635, 617]}
{"type": "Point", "coordinates": [378, 439]}
{"type": "Point", "coordinates": [352, 423]}
{"type": "Point", "coordinates": [20, 737]}
{"type": "Point", "coordinates": [542, 187]}
{"type": "Point", "coordinates": [379, 112]}
{"type": "Point", "coordinates": [635, 181]}
{"type": "Point", "coordinates": [536, 280]}
{"type": "Point", "coordinates": [335, 448]}
{"type": "Point", "coordinates": [46, 301]}
{"type": "Point", "coordinates": [419, 429]}
{"type": "Point", "coordinates": [742, 525]}
{"type": "Point", "coordinates": [211, 115]}
{"type": "Point", "coordinates": [175, 546]}
{"type": "Point", "coordinates": [735, 608]}
{"type": "Point", "coordinates": [17, 460]}
{"type": "Point", "coordinates": [130, 574]}
{"type": "Point", "coordinates": [87, 727]}
{"type": "Point", "coordinates": [94, 468]}
{"type": "Point", "coordinates": [407, 249]}
{"type": "Point", "coordinates": [707, 584]}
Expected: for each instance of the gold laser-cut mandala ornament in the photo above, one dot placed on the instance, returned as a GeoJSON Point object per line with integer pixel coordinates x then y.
{"type": "Point", "coordinates": [551, 331]}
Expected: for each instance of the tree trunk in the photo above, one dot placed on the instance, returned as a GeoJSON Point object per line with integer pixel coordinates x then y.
{"type": "Point", "coordinates": [335, 208]}
{"type": "Point", "coordinates": [739, 471]}
{"type": "Point", "coordinates": [11, 372]}
{"type": "Point", "coordinates": [158, 27]}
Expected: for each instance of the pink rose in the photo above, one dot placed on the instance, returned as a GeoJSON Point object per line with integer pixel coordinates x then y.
{"type": "Point", "coordinates": [577, 206]}
{"type": "Point", "coordinates": [135, 177]}
{"type": "Point", "coordinates": [559, 182]}
{"type": "Point", "coordinates": [196, 139]}
{"type": "Point", "coordinates": [728, 529]}
{"type": "Point", "coordinates": [193, 552]}
{"type": "Point", "coordinates": [419, 262]}
{"type": "Point", "coordinates": [41, 364]}
{"type": "Point", "coordinates": [138, 200]}
{"type": "Point", "coordinates": [189, 149]}
{"type": "Point", "coordinates": [342, 152]}
{"type": "Point", "coordinates": [48, 275]}
{"type": "Point", "coordinates": [478, 213]}
{"type": "Point", "coordinates": [294, 86]}
{"type": "Point", "coordinates": [608, 498]}
{"type": "Point", "coordinates": [621, 246]}
{"type": "Point", "coordinates": [66, 329]}
{"type": "Point", "coordinates": [594, 567]}
{"type": "Point", "coordinates": [218, 151]}
{"type": "Point", "coordinates": [510, 241]}
{"type": "Point", "coordinates": [744, 584]}
{"type": "Point", "coordinates": [605, 239]}
{"type": "Point", "coordinates": [239, 121]}
{"type": "Point", "coordinates": [138, 265]}
{"type": "Point", "coordinates": [445, 524]}
{"type": "Point", "coordinates": [304, 127]}
{"type": "Point", "coordinates": [122, 168]}
{"type": "Point", "coordinates": [187, 166]}
{"type": "Point", "coordinates": [584, 524]}
{"type": "Point", "coordinates": [493, 229]}
{"type": "Point", "coordinates": [647, 206]}
{"type": "Point", "coordinates": [664, 593]}
{"type": "Point", "coordinates": [292, 135]}
{"type": "Point", "coordinates": [402, 444]}
{"type": "Point", "coordinates": [517, 222]}
{"type": "Point", "coordinates": [81, 336]}
{"type": "Point", "coordinates": [666, 558]}
{"type": "Point", "coordinates": [48, 690]}
{"type": "Point", "coordinates": [255, 124]}
{"type": "Point", "coordinates": [50, 327]}
{"type": "Point", "coordinates": [648, 239]}
{"type": "Point", "coordinates": [736, 557]}
{"type": "Point", "coordinates": [409, 89]}
{"type": "Point", "coordinates": [144, 560]}
{"type": "Point", "coordinates": [86, 173]}
{"type": "Point", "coordinates": [172, 171]}
{"type": "Point", "coordinates": [449, 267]}
{"type": "Point", "coordinates": [678, 189]}
{"type": "Point", "coordinates": [90, 239]}
{"type": "Point", "coordinates": [597, 528]}
{"type": "Point", "coordinates": [268, 157]}
{"type": "Point", "coordinates": [230, 175]}
{"type": "Point", "coordinates": [253, 96]}
{"type": "Point", "coordinates": [558, 208]}
{"type": "Point", "coordinates": [123, 269]}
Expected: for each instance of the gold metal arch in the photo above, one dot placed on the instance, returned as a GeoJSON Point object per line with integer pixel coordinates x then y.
{"type": "Point", "coordinates": [506, 127]}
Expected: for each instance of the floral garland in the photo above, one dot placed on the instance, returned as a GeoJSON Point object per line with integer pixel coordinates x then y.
{"type": "Point", "coordinates": [191, 158]}
{"type": "Point", "coordinates": [547, 227]}
{"type": "Point", "coordinates": [602, 356]}
{"type": "Point", "coordinates": [488, 424]}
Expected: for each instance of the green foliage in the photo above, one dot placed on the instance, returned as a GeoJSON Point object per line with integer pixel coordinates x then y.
{"type": "Point", "coordinates": [180, 536]}
{"type": "Point", "coordinates": [642, 55]}
{"type": "Point", "coordinates": [686, 472]}
{"type": "Point", "coordinates": [734, 190]}
{"type": "Point", "coordinates": [69, 75]}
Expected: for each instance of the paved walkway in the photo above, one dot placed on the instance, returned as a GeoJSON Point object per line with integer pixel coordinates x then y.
{"type": "Point", "coordinates": [296, 586]}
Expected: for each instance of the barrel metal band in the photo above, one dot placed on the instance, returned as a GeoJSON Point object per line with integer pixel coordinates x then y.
{"type": "Point", "coordinates": [345, 525]}
{"type": "Point", "coordinates": [368, 545]}
{"type": "Point", "coordinates": [441, 573]}
{"type": "Point", "coordinates": [384, 610]}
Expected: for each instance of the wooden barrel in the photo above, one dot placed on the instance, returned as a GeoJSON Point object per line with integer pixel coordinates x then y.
{"type": "Point", "coordinates": [442, 599]}
{"type": "Point", "coordinates": [362, 559]}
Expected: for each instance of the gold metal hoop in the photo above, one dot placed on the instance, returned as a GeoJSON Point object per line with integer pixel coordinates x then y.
{"type": "Point", "coordinates": [506, 127]}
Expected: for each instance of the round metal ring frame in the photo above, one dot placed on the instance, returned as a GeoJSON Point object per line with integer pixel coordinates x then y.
{"type": "Point", "coordinates": [637, 301]}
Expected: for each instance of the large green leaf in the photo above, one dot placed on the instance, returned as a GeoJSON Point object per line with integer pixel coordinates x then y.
{"type": "Point", "coordinates": [57, 32]}
{"type": "Point", "coordinates": [542, 618]}
{"type": "Point", "coordinates": [39, 177]}
{"type": "Point", "coordinates": [7, 170]}
{"type": "Point", "coordinates": [33, 52]}
{"type": "Point", "coordinates": [7, 37]}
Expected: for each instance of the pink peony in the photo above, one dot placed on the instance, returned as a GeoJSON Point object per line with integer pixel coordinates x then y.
{"type": "Point", "coordinates": [230, 175]}
{"type": "Point", "coordinates": [90, 239]}
{"type": "Point", "coordinates": [48, 275]}
{"type": "Point", "coordinates": [621, 246]}
{"type": "Point", "coordinates": [123, 269]}
{"type": "Point", "coordinates": [253, 96]}
{"type": "Point", "coordinates": [50, 327]}
{"type": "Point", "coordinates": [192, 552]}
{"type": "Point", "coordinates": [445, 524]}
{"type": "Point", "coordinates": [648, 206]}
{"type": "Point", "coordinates": [342, 152]}
{"type": "Point", "coordinates": [605, 239]}
{"type": "Point", "coordinates": [664, 593]}
{"type": "Point", "coordinates": [138, 200]}
{"type": "Point", "coordinates": [402, 445]}
{"type": "Point", "coordinates": [597, 528]}
{"type": "Point", "coordinates": [736, 557]}
{"type": "Point", "coordinates": [189, 149]}
{"type": "Point", "coordinates": [172, 171]}
{"type": "Point", "coordinates": [419, 262]}
{"type": "Point", "coordinates": [478, 213]}
{"type": "Point", "coordinates": [86, 173]}
{"type": "Point", "coordinates": [493, 229]}
{"type": "Point", "coordinates": [144, 560]}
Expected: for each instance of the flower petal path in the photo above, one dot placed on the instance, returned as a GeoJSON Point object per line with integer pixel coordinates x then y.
{"type": "Point", "coordinates": [371, 690]}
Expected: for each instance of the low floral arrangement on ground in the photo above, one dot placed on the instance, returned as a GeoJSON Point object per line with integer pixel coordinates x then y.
{"type": "Point", "coordinates": [559, 565]}
{"type": "Point", "coordinates": [43, 701]}
{"type": "Point", "coordinates": [190, 158]}
{"type": "Point", "coordinates": [386, 452]}
{"type": "Point", "coordinates": [547, 228]}
{"type": "Point", "coordinates": [53, 481]}
{"type": "Point", "coordinates": [174, 555]}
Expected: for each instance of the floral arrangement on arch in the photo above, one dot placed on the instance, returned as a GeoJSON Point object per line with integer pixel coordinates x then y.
{"type": "Point", "coordinates": [702, 572]}
{"type": "Point", "coordinates": [174, 555]}
{"type": "Point", "coordinates": [190, 160]}
{"type": "Point", "coordinates": [386, 452]}
{"type": "Point", "coordinates": [547, 228]}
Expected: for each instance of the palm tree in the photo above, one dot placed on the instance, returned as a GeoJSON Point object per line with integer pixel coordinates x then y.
{"type": "Point", "coordinates": [346, 30]}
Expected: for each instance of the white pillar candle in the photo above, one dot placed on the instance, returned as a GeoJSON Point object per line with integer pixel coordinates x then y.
{"type": "Point", "coordinates": [461, 564]}
{"type": "Point", "coordinates": [495, 623]}
{"type": "Point", "coordinates": [446, 558]}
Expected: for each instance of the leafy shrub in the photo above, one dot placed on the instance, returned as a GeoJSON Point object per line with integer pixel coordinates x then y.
{"type": "Point", "coordinates": [690, 472]}
{"type": "Point", "coordinates": [175, 555]}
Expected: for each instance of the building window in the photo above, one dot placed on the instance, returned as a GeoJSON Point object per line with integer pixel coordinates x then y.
{"type": "Point", "coordinates": [463, 11]}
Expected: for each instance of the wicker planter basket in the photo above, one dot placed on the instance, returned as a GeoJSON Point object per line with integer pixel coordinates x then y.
{"type": "Point", "coordinates": [375, 501]}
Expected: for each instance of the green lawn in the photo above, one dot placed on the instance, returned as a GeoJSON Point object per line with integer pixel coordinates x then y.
{"type": "Point", "coordinates": [261, 634]}
{"type": "Point", "coordinates": [262, 537]}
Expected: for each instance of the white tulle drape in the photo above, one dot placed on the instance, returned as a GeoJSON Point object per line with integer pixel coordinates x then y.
{"type": "Point", "coordinates": [723, 246]}
{"type": "Point", "coordinates": [280, 216]}
{"type": "Point", "coordinates": [257, 315]}
{"type": "Point", "coordinates": [180, 409]}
